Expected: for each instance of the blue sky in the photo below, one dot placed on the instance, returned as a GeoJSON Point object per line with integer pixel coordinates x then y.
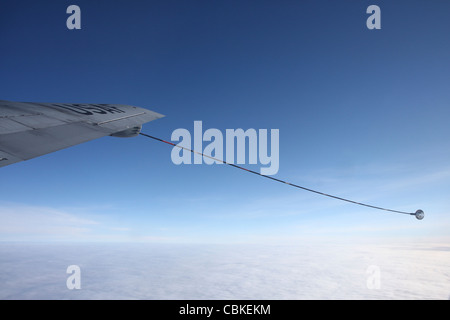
{"type": "Point", "coordinates": [362, 114]}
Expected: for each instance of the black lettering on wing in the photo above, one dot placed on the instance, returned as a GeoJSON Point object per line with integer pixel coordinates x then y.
{"type": "Point", "coordinates": [74, 108]}
{"type": "Point", "coordinates": [95, 108]}
{"type": "Point", "coordinates": [110, 108]}
{"type": "Point", "coordinates": [90, 109]}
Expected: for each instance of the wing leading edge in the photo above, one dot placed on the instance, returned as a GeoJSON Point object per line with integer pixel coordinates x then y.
{"type": "Point", "coordinates": [29, 130]}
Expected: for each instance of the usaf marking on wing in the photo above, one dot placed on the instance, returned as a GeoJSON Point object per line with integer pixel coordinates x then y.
{"type": "Point", "coordinates": [90, 109]}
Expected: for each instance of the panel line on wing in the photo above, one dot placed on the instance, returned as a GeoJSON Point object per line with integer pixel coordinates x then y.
{"type": "Point", "coordinates": [118, 119]}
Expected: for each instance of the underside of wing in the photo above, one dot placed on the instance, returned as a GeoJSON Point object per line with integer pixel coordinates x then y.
{"type": "Point", "coordinates": [29, 130]}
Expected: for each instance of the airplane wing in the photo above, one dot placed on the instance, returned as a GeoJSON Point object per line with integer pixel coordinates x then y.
{"type": "Point", "coordinates": [29, 130]}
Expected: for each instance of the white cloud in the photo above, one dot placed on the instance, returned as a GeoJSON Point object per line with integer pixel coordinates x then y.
{"type": "Point", "coordinates": [41, 222]}
{"type": "Point", "coordinates": [34, 223]}
{"type": "Point", "coordinates": [124, 229]}
{"type": "Point", "coordinates": [149, 271]}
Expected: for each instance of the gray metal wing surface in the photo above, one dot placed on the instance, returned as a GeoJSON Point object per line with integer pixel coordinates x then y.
{"type": "Point", "coordinates": [29, 129]}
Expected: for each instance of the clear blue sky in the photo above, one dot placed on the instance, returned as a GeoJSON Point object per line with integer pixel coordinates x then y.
{"type": "Point", "coordinates": [362, 114]}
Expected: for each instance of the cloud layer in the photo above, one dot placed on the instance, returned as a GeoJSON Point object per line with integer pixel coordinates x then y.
{"type": "Point", "coordinates": [165, 271]}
